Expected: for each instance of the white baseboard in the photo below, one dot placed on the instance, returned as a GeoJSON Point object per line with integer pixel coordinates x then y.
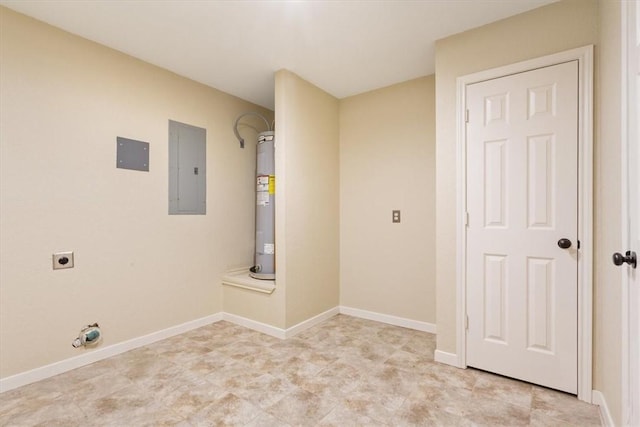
{"type": "Point", "coordinates": [100, 353]}
{"type": "Point", "coordinates": [447, 358]}
{"type": "Point", "coordinates": [255, 325]}
{"type": "Point", "coordinates": [391, 320]}
{"type": "Point", "coordinates": [279, 332]}
{"type": "Point", "coordinates": [597, 398]}
{"type": "Point", "coordinates": [294, 330]}
{"type": "Point", "coordinates": [302, 326]}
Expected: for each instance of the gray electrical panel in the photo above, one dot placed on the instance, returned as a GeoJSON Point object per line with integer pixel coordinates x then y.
{"type": "Point", "coordinates": [187, 169]}
{"type": "Point", "coordinates": [132, 154]}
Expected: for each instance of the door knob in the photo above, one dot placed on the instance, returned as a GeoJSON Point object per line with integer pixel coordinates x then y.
{"type": "Point", "coordinates": [629, 257]}
{"type": "Point", "coordinates": [564, 243]}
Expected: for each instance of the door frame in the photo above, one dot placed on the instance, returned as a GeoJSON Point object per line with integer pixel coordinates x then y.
{"type": "Point", "coordinates": [627, 15]}
{"type": "Point", "coordinates": [584, 56]}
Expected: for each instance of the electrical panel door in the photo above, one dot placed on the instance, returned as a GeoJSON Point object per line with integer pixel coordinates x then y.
{"type": "Point", "coordinates": [187, 169]}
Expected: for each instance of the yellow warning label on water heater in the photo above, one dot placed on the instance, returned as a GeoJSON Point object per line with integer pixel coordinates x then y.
{"type": "Point", "coordinates": [272, 184]}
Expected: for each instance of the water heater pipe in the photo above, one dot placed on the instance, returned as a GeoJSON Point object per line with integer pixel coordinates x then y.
{"type": "Point", "coordinates": [250, 113]}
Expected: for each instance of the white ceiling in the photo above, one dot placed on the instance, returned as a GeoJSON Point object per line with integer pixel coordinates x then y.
{"type": "Point", "coordinates": [345, 47]}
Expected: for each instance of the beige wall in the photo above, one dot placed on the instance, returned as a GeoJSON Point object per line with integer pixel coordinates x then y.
{"type": "Point", "coordinates": [260, 307]}
{"type": "Point", "coordinates": [608, 238]}
{"type": "Point", "coordinates": [557, 27]}
{"type": "Point", "coordinates": [387, 162]}
{"type": "Point", "coordinates": [138, 270]}
{"type": "Point", "coordinates": [307, 197]}
{"type": "Point", "coordinates": [550, 29]}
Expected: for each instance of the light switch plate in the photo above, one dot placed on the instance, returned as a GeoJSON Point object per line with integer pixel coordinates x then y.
{"type": "Point", "coordinates": [395, 216]}
{"type": "Point", "coordinates": [62, 260]}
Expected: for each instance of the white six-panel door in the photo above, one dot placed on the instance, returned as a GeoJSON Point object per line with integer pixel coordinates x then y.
{"type": "Point", "coordinates": [522, 198]}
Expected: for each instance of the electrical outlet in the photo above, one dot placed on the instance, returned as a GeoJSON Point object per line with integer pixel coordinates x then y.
{"type": "Point", "coordinates": [395, 216]}
{"type": "Point", "coordinates": [62, 260]}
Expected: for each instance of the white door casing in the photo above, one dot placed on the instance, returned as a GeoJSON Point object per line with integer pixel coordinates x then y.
{"type": "Point", "coordinates": [584, 58]}
{"type": "Point", "coordinates": [630, 167]}
{"type": "Point", "coordinates": [522, 185]}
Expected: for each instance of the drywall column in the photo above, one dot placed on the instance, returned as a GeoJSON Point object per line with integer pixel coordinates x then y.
{"type": "Point", "coordinates": [307, 197]}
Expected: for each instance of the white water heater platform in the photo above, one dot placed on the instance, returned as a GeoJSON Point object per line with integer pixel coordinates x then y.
{"type": "Point", "coordinates": [240, 279]}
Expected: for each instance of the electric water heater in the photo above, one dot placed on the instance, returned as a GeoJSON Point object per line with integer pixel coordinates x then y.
{"type": "Point", "coordinates": [265, 261]}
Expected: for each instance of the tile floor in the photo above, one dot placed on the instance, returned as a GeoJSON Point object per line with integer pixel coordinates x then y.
{"type": "Point", "coordinates": [343, 372]}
